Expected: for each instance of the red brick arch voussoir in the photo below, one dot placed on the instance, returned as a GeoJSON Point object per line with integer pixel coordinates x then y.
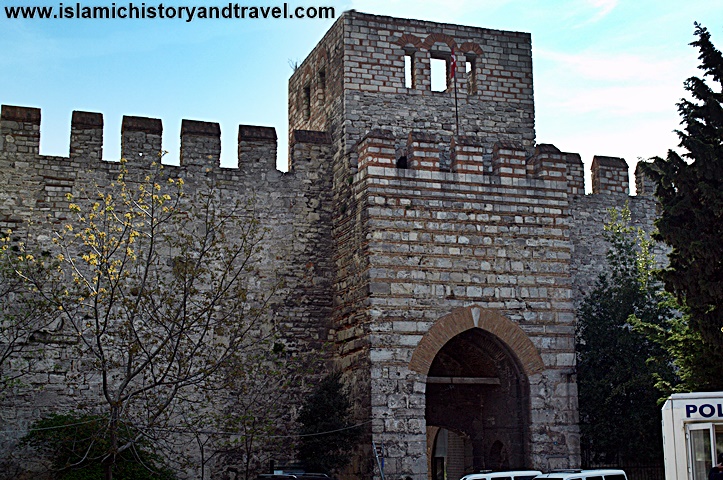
{"type": "Point", "coordinates": [438, 38]}
{"type": "Point", "coordinates": [409, 39]}
{"type": "Point", "coordinates": [471, 47]}
{"type": "Point", "coordinates": [466, 318]}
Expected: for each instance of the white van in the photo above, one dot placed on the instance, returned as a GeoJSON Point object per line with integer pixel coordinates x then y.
{"type": "Point", "coordinates": [511, 475]}
{"type": "Point", "coordinates": [606, 474]}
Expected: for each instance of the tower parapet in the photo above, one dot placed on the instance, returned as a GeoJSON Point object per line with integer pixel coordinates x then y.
{"type": "Point", "coordinates": [86, 135]}
{"type": "Point", "coordinates": [644, 184]}
{"type": "Point", "coordinates": [610, 175]}
{"type": "Point", "coordinates": [549, 163]}
{"type": "Point", "coordinates": [376, 149]}
{"type": "Point", "coordinates": [20, 129]}
{"type": "Point", "coordinates": [508, 162]}
{"type": "Point", "coordinates": [507, 165]}
{"type": "Point", "coordinates": [423, 151]}
{"type": "Point", "coordinates": [200, 144]}
{"type": "Point", "coordinates": [467, 155]}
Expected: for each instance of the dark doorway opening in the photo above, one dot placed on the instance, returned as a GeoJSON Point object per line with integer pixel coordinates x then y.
{"type": "Point", "coordinates": [477, 397]}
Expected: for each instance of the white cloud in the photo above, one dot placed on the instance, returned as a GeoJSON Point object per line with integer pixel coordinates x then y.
{"type": "Point", "coordinates": [609, 84]}
{"type": "Point", "coordinates": [603, 7]}
{"type": "Point", "coordinates": [619, 100]}
{"type": "Point", "coordinates": [614, 67]}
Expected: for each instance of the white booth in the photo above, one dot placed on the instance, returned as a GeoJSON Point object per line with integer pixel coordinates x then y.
{"type": "Point", "coordinates": [692, 434]}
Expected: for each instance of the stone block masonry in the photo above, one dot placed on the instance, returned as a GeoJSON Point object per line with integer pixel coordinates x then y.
{"type": "Point", "coordinates": [443, 268]}
{"type": "Point", "coordinates": [429, 221]}
{"type": "Point", "coordinates": [294, 208]}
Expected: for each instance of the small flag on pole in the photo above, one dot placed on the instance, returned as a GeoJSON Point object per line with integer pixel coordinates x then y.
{"type": "Point", "coordinates": [452, 73]}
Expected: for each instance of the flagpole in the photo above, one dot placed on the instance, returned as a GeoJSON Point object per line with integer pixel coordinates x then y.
{"type": "Point", "coordinates": [453, 74]}
{"type": "Point", "coordinates": [456, 111]}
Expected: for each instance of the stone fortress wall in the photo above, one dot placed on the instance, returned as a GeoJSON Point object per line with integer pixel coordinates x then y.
{"type": "Point", "coordinates": [404, 243]}
{"type": "Point", "coordinates": [294, 208]}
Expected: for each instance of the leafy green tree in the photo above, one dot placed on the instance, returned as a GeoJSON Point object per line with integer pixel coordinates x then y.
{"type": "Point", "coordinates": [618, 366]}
{"type": "Point", "coordinates": [327, 430]}
{"type": "Point", "coordinates": [689, 188]}
{"type": "Point", "coordinates": [77, 443]}
{"type": "Point", "coordinates": [683, 346]}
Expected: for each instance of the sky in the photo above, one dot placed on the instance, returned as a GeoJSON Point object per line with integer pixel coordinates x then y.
{"type": "Point", "coordinates": [607, 73]}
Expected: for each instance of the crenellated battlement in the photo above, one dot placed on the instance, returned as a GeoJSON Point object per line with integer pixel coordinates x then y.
{"type": "Point", "coordinates": [141, 139]}
{"type": "Point", "coordinates": [31, 182]}
{"type": "Point", "coordinates": [610, 175]}
{"type": "Point", "coordinates": [548, 167]}
{"type": "Point", "coordinates": [20, 129]}
{"type": "Point", "coordinates": [86, 135]}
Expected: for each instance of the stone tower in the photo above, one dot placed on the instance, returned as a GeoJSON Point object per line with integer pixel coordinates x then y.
{"type": "Point", "coordinates": [454, 245]}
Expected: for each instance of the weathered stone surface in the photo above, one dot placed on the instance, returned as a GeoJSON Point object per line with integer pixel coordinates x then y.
{"type": "Point", "coordinates": [394, 233]}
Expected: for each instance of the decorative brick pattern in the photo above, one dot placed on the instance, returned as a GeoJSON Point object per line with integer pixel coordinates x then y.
{"type": "Point", "coordinates": [463, 319]}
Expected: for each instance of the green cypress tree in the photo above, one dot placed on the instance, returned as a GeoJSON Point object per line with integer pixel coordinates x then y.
{"type": "Point", "coordinates": [690, 191]}
{"type": "Point", "coordinates": [327, 430]}
{"type": "Point", "coordinates": [617, 365]}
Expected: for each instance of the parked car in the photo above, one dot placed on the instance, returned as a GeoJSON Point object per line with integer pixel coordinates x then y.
{"type": "Point", "coordinates": [294, 476]}
{"type": "Point", "coordinates": [510, 475]}
{"type": "Point", "coordinates": [606, 474]}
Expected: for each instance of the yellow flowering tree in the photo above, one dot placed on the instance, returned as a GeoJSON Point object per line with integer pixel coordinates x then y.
{"type": "Point", "coordinates": [157, 292]}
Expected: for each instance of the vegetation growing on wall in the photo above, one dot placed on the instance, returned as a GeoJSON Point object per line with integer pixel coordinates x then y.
{"type": "Point", "coordinates": [75, 445]}
{"type": "Point", "coordinates": [618, 366]}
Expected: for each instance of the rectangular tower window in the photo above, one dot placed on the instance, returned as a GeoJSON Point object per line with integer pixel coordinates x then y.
{"type": "Point", "coordinates": [307, 102]}
{"type": "Point", "coordinates": [438, 73]}
{"type": "Point", "coordinates": [322, 79]}
{"type": "Point", "coordinates": [409, 70]}
{"type": "Point", "coordinates": [322, 86]}
{"type": "Point", "coordinates": [471, 69]}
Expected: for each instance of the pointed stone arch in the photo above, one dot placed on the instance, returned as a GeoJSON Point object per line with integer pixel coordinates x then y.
{"type": "Point", "coordinates": [467, 318]}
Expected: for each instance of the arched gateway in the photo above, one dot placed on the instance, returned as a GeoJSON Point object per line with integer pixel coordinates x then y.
{"type": "Point", "coordinates": [477, 364]}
